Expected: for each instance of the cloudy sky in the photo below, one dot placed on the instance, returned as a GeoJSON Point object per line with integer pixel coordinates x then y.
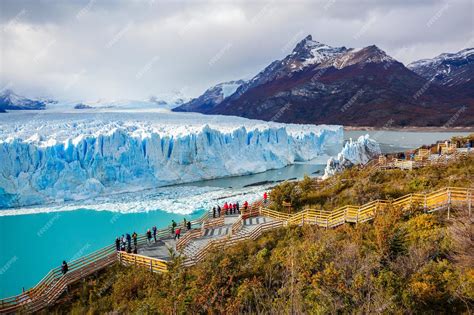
{"type": "Point", "coordinates": [135, 49]}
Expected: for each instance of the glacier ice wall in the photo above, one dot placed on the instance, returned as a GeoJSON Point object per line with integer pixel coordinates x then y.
{"type": "Point", "coordinates": [353, 153]}
{"type": "Point", "coordinates": [43, 169]}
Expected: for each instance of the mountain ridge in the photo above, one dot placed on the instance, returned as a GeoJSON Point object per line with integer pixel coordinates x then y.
{"type": "Point", "coordinates": [317, 83]}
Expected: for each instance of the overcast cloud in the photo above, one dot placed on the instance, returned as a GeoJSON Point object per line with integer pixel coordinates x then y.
{"type": "Point", "coordinates": [134, 49]}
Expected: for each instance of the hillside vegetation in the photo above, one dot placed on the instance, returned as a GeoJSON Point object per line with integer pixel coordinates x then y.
{"type": "Point", "coordinates": [357, 186]}
{"type": "Point", "coordinates": [410, 262]}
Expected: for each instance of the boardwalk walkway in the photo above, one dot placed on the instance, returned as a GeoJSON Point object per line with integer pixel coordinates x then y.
{"type": "Point", "coordinates": [211, 233]}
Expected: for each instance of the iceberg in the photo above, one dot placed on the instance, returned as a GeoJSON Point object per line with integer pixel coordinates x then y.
{"type": "Point", "coordinates": [52, 158]}
{"type": "Point", "coordinates": [356, 152]}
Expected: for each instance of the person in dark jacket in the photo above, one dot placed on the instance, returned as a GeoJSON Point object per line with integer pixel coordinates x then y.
{"type": "Point", "coordinates": [148, 237]}
{"type": "Point", "coordinates": [238, 207]}
{"type": "Point", "coordinates": [213, 212]}
{"type": "Point", "coordinates": [135, 239]}
{"type": "Point", "coordinates": [129, 241]}
{"type": "Point", "coordinates": [173, 226]}
{"type": "Point", "coordinates": [154, 233]}
{"type": "Point", "coordinates": [117, 244]}
{"type": "Point", "coordinates": [64, 267]}
{"type": "Point", "coordinates": [189, 225]}
{"type": "Point", "coordinates": [219, 211]}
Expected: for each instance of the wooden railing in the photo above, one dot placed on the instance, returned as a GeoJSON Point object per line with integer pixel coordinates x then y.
{"type": "Point", "coordinates": [188, 236]}
{"type": "Point", "coordinates": [214, 222]}
{"type": "Point", "coordinates": [419, 161]}
{"type": "Point", "coordinates": [153, 264]}
{"type": "Point", "coordinates": [436, 200]}
{"type": "Point", "coordinates": [55, 283]}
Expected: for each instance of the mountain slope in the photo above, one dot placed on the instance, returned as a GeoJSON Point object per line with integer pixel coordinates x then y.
{"type": "Point", "coordinates": [11, 101]}
{"type": "Point", "coordinates": [318, 83]}
{"type": "Point", "coordinates": [447, 69]}
{"type": "Point", "coordinates": [211, 97]}
{"type": "Point", "coordinates": [454, 70]}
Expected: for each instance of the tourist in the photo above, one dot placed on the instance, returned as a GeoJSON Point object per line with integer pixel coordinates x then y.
{"type": "Point", "coordinates": [135, 239]}
{"type": "Point", "coordinates": [246, 205]}
{"type": "Point", "coordinates": [129, 241]}
{"type": "Point", "coordinates": [189, 225]}
{"type": "Point", "coordinates": [185, 224]}
{"type": "Point", "coordinates": [154, 232]}
{"type": "Point", "coordinates": [64, 267]}
{"type": "Point", "coordinates": [124, 242]}
{"type": "Point", "coordinates": [238, 207]}
{"type": "Point", "coordinates": [265, 197]}
{"type": "Point", "coordinates": [177, 233]}
{"type": "Point", "coordinates": [173, 226]}
{"type": "Point", "coordinates": [148, 237]}
{"type": "Point", "coordinates": [226, 208]}
{"type": "Point", "coordinates": [234, 206]}
{"type": "Point", "coordinates": [219, 210]}
{"type": "Point", "coordinates": [213, 212]}
{"type": "Point", "coordinates": [117, 244]}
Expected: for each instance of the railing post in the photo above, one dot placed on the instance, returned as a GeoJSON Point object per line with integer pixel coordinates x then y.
{"type": "Point", "coordinates": [357, 215]}
{"type": "Point", "coordinates": [469, 195]}
{"type": "Point", "coordinates": [327, 223]}
{"type": "Point", "coordinates": [449, 202]}
{"type": "Point", "coordinates": [135, 260]}
{"type": "Point", "coordinates": [151, 265]}
{"type": "Point", "coordinates": [425, 206]}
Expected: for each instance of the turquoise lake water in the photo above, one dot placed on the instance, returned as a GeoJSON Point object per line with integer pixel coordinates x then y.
{"type": "Point", "coordinates": [32, 244]}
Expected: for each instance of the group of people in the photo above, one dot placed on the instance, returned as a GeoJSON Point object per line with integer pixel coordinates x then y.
{"type": "Point", "coordinates": [228, 208]}
{"type": "Point", "coordinates": [176, 230]}
{"type": "Point", "coordinates": [124, 243]}
{"type": "Point", "coordinates": [129, 242]}
{"type": "Point", "coordinates": [233, 208]}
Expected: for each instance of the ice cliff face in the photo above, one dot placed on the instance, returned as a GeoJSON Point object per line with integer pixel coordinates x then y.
{"type": "Point", "coordinates": [83, 159]}
{"type": "Point", "coordinates": [353, 153]}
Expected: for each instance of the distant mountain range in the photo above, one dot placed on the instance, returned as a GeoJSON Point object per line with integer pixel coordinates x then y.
{"type": "Point", "coordinates": [318, 83]}
{"type": "Point", "coordinates": [11, 101]}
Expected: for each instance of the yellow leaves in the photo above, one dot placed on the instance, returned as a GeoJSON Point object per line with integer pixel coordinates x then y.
{"type": "Point", "coordinates": [424, 228]}
{"type": "Point", "coordinates": [422, 290]}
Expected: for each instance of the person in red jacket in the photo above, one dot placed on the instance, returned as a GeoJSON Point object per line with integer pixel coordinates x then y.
{"type": "Point", "coordinates": [265, 196]}
{"type": "Point", "coordinates": [226, 208]}
{"type": "Point", "coordinates": [246, 205]}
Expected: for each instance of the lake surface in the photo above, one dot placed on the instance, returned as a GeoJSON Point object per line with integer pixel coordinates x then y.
{"type": "Point", "coordinates": [32, 244]}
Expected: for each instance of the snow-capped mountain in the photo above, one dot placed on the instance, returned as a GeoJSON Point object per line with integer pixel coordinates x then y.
{"type": "Point", "coordinates": [211, 97]}
{"type": "Point", "coordinates": [9, 100]}
{"type": "Point", "coordinates": [318, 83]}
{"type": "Point", "coordinates": [450, 69]}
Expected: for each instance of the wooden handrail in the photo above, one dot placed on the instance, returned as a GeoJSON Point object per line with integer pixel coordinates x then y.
{"type": "Point", "coordinates": [54, 283]}
{"type": "Point", "coordinates": [41, 295]}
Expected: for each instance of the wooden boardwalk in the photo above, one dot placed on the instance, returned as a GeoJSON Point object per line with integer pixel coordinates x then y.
{"type": "Point", "coordinates": [196, 243]}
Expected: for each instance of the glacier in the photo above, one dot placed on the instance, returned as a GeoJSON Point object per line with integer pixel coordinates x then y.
{"type": "Point", "coordinates": [57, 157]}
{"type": "Point", "coordinates": [356, 152]}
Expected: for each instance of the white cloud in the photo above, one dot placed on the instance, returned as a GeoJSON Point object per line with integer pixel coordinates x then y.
{"type": "Point", "coordinates": [45, 45]}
